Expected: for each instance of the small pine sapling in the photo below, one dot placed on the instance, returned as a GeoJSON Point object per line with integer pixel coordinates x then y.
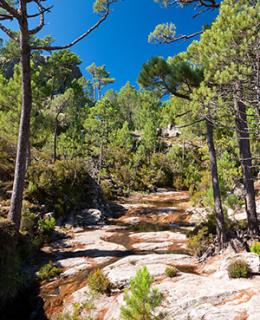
{"type": "Point", "coordinates": [141, 300]}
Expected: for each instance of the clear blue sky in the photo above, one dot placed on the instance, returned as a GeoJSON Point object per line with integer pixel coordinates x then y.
{"type": "Point", "coordinates": [121, 42]}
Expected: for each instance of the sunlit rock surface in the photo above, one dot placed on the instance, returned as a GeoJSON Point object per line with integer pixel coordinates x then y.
{"type": "Point", "coordinates": [154, 234]}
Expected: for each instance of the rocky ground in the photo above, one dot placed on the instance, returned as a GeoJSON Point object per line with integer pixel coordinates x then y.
{"type": "Point", "coordinates": [148, 231]}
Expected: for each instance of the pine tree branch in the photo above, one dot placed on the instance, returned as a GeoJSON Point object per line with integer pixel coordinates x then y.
{"type": "Point", "coordinates": [42, 19]}
{"type": "Point", "coordinates": [169, 40]}
{"type": "Point", "coordinates": [5, 17]}
{"type": "Point", "coordinates": [12, 11]}
{"type": "Point", "coordinates": [8, 32]}
{"type": "Point", "coordinates": [84, 35]}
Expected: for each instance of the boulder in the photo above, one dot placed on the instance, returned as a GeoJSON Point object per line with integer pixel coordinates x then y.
{"type": "Point", "coordinates": [195, 297]}
{"type": "Point", "coordinates": [152, 246]}
{"type": "Point", "coordinates": [120, 272]}
{"type": "Point", "coordinates": [158, 241]}
{"type": "Point", "coordinates": [90, 217]}
{"type": "Point", "coordinates": [197, 215]}
{"type": "Point", "coordinates": [170, 131]}
{"type": "Point", "coordinates": [241, 214]}
{"type": "Point", "coordinates": [159, 236]}
{"type": "Point", "coordinates": [84, 250]}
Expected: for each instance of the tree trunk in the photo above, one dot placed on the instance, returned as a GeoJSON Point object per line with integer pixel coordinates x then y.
{"type": "Point", "coordinates": [28, 155]}
{"type": "Point", "coordinates": [100, 161]}
{"type": "Point", "coordinates": [24, 128]}
{"type": "Point", "coordinates": [258, 83]}
{"type": "Point", "coordinates": [220, 220]}
{"type": "Point", "coordinates": [55, 140]}
{"type": "Point", "coordinates": [245, 159]}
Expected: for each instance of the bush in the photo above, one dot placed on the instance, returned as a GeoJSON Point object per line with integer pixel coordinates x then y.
{"type": "Point", "coordinates": [199, 242]}
{"type": "Point", "coordinates": [107, 189]}
{"type": "Point", "coordinates": [37, 242]}
{"type": "Point", "coordinates": [49, 271]}
{"type": "Point", "coordinates": [47, 225]}
{"type": "Point", "coordinates": [75, 315]}
{"type": "Point", "coordinates": [255, 247]}
{"type": "Point", "coordinates": [98, 282]}
{"type": "Point", "coordinates": [141, 300]}
{"type": "Point", "coordinates": [238, 269]}
{"type": "Point", "coordinates": [171, 272]}
{"type": "Point", "coordinates": [62, 186]}
{"type": "Point", "coordinates": [28, 222]}
{"type": "Point", "coordinates": [202, 235]}
{"type": "Point", "coordinates": [78, 308]}
{"type": "Point", "coordinates": [232, 201]}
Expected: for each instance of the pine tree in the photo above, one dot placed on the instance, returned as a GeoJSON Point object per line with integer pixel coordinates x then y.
{"type": "Point", "coordinates": [18, 10]}
{"type": "Point", "coordinates": [100, 77]}
{"type": "Point", "coordinates": [229, 52]}
{"type": "Point", "coordinates": [141, 300]}
{"type": "Point", "coordinates": [177, 76]}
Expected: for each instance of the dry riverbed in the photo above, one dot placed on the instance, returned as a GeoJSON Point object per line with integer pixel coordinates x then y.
{"type": "Point", "coordinates": [150, 231]}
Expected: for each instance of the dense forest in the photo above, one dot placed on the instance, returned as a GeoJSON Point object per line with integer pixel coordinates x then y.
{"type": "Point", "coordinates": [69, 142]}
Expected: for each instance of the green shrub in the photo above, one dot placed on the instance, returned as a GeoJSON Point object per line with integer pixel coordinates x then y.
{"type": "Point", "coordinates": [208, 200]}
{"type": "Point", "coordinates": [107, 190]}
{"type": "Point", "coordinates": [37, 242]}
{"type": "Point", "coordinates": [202, 235]}
{"type": "Point", "coordinates": [171, 272]}
{"type": "Point", "coordinates": [98, 282]}
{"type": "Point", "coordinates": [232, 201]}
{"type": "Point", "coordinates": [238, 269]}
{"type": "Point", "coordinates": [141, 300]}
{"type": "Point", "coordinates": [199, 242]}
{"type": "Point", "coordinates": [61, 186]}
{"type": "Point", "coordinates": [208, 225]}
{"type": "Point", "coordinates": [47, 225]}
{"type": "Point", "coordinates": [28, 222]}
{"type": "Point", "coordinates": [202, 194]}
{"type": "Point", "coordinates": [78, 308]}
{"type": "Point", "coordinates": [49, 271]}
{"type": "Point", "coordinates": [255, 247]}
{"type": "Point", "coordinates": [75, 315]}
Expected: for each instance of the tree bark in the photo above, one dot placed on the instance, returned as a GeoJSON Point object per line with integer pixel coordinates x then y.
{"type": "Point", "coordinates": [219, 215]}
{"type": "Point", "coordinates": [100, 161]}
{"type": "Point", "coordinates": [258, 83]}
{"type": "Point", "coordinates": [24, 128]}
{"type": "Point", "coordinates": [28, 155]}
{"type": "Point", "coordinates": [245, 159]}
{"type": "Point", "coordinates": [55, 139]}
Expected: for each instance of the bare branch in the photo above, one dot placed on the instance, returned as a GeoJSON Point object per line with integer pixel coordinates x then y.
{"type": "Point", "coordinates": [213, 4]}
{"type": "Point", "coordinates": [189, 124]}
{"type": "Point", "coordinates": [182, 37]}
{"type": "Point", "coordinates": [43, 10]}
{"type": "Point", "coordinates": [42, 20]}
{"type": "Point", "coordinates": [5, 17]}
{"type": "Point", "coordinates": [9, 32]}
{"type": "Point", "coordinates": [183, 114]}
{"type": "Point", "coordinates": [12, 11]}
{"type": "Point", "coordinates": [84, 35]}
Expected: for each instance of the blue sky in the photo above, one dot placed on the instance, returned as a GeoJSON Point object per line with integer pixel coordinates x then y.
{"type": "Point", "coordinates": [121, 42]}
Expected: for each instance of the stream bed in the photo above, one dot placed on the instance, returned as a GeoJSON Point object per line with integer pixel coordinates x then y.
{"type": "Point", "coordinates": [144, 230]}
{"type": "Point", "coordinates": [145, 224]}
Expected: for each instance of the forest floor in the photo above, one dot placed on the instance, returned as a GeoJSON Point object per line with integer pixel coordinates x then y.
{"type": "Point", "coordinates": [147, 230]}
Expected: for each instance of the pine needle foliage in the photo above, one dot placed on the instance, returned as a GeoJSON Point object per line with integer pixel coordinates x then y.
{"type": "Point", "coordinates": [141, 300]}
